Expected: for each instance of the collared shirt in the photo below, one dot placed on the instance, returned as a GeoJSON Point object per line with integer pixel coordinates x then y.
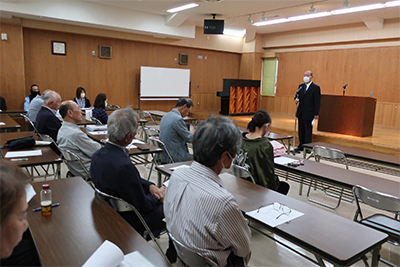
{"type": "Point", "coordinates": [204, 216]}
{"type": "Point", "coordinates": [72, 138]}
{"type": "Point", "coordinates": [34, 108]}
{"type": "Point", "coordinates": [308, 85]}
{"type": "Point", "coordinates": [122, 147]}
{"type": "Point", "coordinates": [52, 110]}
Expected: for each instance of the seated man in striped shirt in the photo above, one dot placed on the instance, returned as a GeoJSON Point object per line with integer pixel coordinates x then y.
{"type": "Point", "coordinates": [198, 210]}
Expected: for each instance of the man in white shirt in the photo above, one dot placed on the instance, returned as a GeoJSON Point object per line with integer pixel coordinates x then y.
{"type": "Point", "coordinates": [71, 137]}
{"type": "Point", "coordinates": [199, 211]}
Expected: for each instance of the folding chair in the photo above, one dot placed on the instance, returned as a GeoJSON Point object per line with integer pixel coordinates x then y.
{"type": "Point", "coordinates": [380, 222]}
{"type": "Point", "coordinates": [120, 205]}
{"type": "Point", "coordinates": [69, 158]}
{"type": "Point", "coordinates": [190, 258]}
{"type": "Point", "coordinates": [30, 122]}
{"type": "Point", "coordinates": [241, 172]}
{"type": "Point", "coordinates": [333, 191]}
{"type": "Point", "coordinates": [97, 121]}
{"type": "Point", "coordinates": [147, 116]}
{"type": "Point", "coordinates": [159, 144]}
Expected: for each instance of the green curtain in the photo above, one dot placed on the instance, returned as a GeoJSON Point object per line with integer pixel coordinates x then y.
{"type": "Point", "coordinates": [269, 76]}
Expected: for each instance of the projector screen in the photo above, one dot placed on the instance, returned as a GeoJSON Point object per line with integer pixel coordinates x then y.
{"type": "Point", "coordinates": [161, 83]}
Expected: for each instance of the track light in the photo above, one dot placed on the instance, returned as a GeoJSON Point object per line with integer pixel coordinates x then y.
{"type": "Point", "coordinates": [312, 9]}
{"type": "Point", "coordinates": [346, 4]}
{"type": "Point", "coordinates": [250, 20]}
{"type": "Point", "coordinates": [263, 18]}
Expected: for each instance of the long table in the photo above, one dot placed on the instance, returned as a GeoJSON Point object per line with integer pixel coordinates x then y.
{"type": "Point", "coordinates": [328, 236]}
{"type": "Point", "coordinates": [370, 158]}
{"type": "Point", "coordinates": [79, 226]}
{"type": "Point", "coordinates": [47, 159]}
{"type": "Point", "coordinates": [10, 124]}
{"type": "Point", "coordinates": [160, 114]}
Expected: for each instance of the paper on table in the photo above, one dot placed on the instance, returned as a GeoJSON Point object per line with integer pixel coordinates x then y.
{"type": "Point", "coordinates": [2, 123]}
{"type": "Point", "coordinates": [135, 259]}
{"type": "Point", "coordinates": [283, 160]}
{"type": "Point", "coordinates": [30, 192]}
{"type": "Point", "coordinates": [109, 254]}
{"type": "Point", "coordinates": [98, 133]}
{"type": "Point", "coordinates": [26, 153]}
{"type": "Point", "coordinates": [166, 183]}
{"type": "Point", "coordinates": [135, 141]}
{"type": "Point", "coordinates": [268, 215]}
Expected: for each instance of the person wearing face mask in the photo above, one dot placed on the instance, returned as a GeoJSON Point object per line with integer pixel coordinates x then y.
{"type": "Point", "coordinates": [257, 153]}
{"type": "Point", "coordinates": [35, 91]}
{"type": "Point", "coordinates": [99, 111]}
{"type": "Point", "coordinates": [81, 99]}
{"type": "Point", "coordinates": [308, 98]}
{"type": "Point", "coordinates": [199, 211]}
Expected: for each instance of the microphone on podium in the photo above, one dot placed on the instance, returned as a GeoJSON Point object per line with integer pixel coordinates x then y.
{"type": "Point", "coordinates": [344, 86]}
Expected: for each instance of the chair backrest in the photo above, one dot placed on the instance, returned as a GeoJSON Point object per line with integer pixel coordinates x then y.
{"type": "Point", "coordinates": [241, 172]}
{"type": "Point", "coordinates": [69, 156]}
{"type": "Point", "coordinates": [375, 199]}
{"type": "Point", "coordinates": [28, 120]}
{"type": "Point", "coordinates": [329, 153]}
{"type": "Point", "coordinates": [147, 116]}
{"type": "Point", "coordinates": [159, 144]}
{"type": "Point", "coordinates": [151, 132]}
{"type": "Point", "coordinates": [118, 204]}
{"type": "Point", "coordinates": [189, 257]}
{"type": "Point", "coordinates": [97, 121]}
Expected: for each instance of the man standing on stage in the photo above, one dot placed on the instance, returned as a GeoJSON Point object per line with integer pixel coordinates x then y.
{"type": "Point", "coordinates": [308, 96]}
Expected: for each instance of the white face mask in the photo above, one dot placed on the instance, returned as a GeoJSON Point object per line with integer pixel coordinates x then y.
{"type": "Point", "coordinates": [306, 79]}
{"type": "Point", "coordinates": [223, 170]}
{"type": "Point", "coordinates": [82, 95]}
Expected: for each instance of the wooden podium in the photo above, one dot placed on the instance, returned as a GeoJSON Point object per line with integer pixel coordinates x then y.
{"type": "Point", "coordinates": [352, 115]}
{"type": "Point", "coordinates": [239, 97]}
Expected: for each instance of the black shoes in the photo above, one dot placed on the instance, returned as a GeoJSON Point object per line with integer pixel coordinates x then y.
{"type": "Point", "coordinates": [171, 255]}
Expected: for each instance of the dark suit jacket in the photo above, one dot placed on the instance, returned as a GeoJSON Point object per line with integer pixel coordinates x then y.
{"type": "Point", "coordinates": [113, 173]}
{"type": "Point", "coordinates": [310, 101]}
{"type": "Point", "coordinates": [47, 123]}
{"type": "Point", "coordinates": [87, 102]}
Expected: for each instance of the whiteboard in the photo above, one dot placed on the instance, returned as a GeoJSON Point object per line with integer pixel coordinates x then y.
{"type": "Point", "coordinates": [163, 83]}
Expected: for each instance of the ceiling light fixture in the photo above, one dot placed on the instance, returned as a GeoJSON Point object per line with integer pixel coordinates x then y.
{"type": "Point", "coordinates": [312, 9]}
{"type": "Point", "coordinates": [346, 4]}
{"type": "Point", "coordinates": [180, 8]}
{"type": "Point", "coordinates": [270, 22]}
{"type": "Point", "coordinates": [310, 16]}
{"type": "Point", "coordinates": [250, 20]}
{"type": "Point", "coordinates": [263, 18]}
{"type": "Point", "coordinates": [392, 3]}
{"type": "Point", "coordinates": [357, 9]}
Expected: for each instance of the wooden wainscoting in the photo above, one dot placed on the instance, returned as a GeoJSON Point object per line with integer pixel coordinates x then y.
{"type": "Point", "coordinates": [386, 114]}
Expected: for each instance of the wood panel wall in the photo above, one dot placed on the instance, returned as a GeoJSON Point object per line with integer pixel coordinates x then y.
{"type": "Point", "coordinates": [365, 70]}
{"type": "Point", "coordinates": [12, 74]}
{"type": "Point", "coordinates": [119, 77]}
{"type": "Point", "coordinates": [386, 114]}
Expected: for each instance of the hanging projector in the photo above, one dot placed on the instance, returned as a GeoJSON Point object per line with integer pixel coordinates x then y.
{"type": "Point", "coordinates": [213, 26]}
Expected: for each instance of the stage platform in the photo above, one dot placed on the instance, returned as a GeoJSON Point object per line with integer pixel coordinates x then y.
{"type": "Point", "coordinates": [384, 139]}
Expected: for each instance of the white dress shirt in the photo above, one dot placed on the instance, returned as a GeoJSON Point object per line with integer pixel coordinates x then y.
{"type": "Point", "coordinates": [204, 216]}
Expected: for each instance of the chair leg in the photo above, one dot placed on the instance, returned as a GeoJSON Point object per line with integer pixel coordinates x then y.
{"type": "Point", "coordinates": [320, 203]}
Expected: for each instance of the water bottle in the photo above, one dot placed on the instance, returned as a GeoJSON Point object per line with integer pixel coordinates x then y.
{"type": "Point", "coordinates": [45, 200]}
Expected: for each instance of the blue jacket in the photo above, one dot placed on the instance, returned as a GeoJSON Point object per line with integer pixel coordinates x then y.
{"type": "Point", "coordinates": [113, 173]}
{"type": "Point", "coordinates": [174, 134]}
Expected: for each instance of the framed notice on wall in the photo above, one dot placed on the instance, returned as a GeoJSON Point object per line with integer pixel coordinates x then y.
{"type": "Point", "coordinates": [58, 48]}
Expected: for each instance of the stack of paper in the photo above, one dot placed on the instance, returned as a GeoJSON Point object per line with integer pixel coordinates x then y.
{"type": "Point", "coordinates": [109, 255]}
